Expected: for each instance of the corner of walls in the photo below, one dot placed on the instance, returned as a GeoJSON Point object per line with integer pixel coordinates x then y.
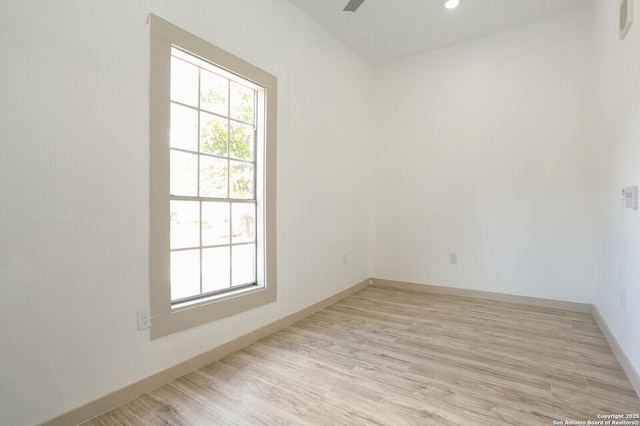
{"type": "Point", "coordinates": [617, 103]}
{"type": "Point", "coordinates": [626, 364]}
{"type": "Point", "coordinates": [74, 163]}
{"type": "Point", "coordinates": [485, 150]}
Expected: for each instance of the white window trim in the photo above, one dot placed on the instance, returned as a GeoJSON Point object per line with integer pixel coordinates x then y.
{"type": "Point", "coordinates": [166, 319]}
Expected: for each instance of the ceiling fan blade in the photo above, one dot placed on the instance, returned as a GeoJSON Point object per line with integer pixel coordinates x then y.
{"type": "Point", "coordinates": [353, 5]}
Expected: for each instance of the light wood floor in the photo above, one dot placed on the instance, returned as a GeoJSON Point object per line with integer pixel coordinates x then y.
{"type": "Point", "coordinates": [392, 357]}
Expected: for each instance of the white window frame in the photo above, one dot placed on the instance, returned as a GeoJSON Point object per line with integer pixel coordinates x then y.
{"type": "Point", "coordinates": [167, 318]}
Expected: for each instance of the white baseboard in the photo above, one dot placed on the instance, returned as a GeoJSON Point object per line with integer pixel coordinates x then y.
{"type": "Point", "coordinates": [115, 399]}
{"type": "Point", "coordinates": [109, 402]}
{"type": "Point", "coordinates": [624, 361]}
{"type": "Point", "coordinates": [487, 295]}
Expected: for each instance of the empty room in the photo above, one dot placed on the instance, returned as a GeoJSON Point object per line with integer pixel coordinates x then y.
{"type": "Point", "coordinates": [306, 212]}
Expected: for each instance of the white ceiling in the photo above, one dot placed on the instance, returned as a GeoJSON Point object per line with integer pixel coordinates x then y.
{"type": "Point", "coordinates": [385, 30]}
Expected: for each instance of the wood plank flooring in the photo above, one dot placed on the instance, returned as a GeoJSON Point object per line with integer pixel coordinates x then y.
{"type": "Point", "coordinates": [395, 357]}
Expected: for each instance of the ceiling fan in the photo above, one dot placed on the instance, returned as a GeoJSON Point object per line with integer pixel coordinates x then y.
{"type": "Point", "coordinates": [353, 5]}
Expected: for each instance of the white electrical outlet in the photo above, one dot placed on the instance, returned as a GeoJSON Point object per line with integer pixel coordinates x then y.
{"type": "Point", "coordinates": [144, 319]}
{"type": "Point", "coordinates": [453, 258]}
{"type": "Point", "coordinates": [345, 259]}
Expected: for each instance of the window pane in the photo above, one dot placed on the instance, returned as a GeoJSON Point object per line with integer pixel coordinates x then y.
{"type": "Point", "coordinates": [184, 128]}
{"type": "Point", "coordinates": [216, 226]}
{"type": "Point", "coordinates": [214, 92]}
{"type": "Point", "coordinates": [215, 269]}
{"type": "Point", "coordinates": [242, 99]}
{"type": "Point", "coordinates": [185, 274]}
{"type": "Point", "coordinates": [213, 134]}
{"type": "Point", "coordinates": [213, 177]}
{"type": "Point", "coordinates": [243, 219]}
{"type": "Point", "coordinates": [241, 180]}
{"type": "Point", "coordinates": [244, 264]}
{"type": "Point", "coordinates": [184, 174]}
{"type": "Point", "coordinates": [184, 82]}
{"type": "Point", "coordinates": [241, 141]}
{"type": "Point", "coordinates": [185, 224]}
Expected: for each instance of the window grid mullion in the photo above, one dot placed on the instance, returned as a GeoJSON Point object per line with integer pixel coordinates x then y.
{"type": "Point", "coordinates": [255, 182]}
{"type": "Point", "coordinates": [231, 244]}
{"type": "Point", "coordinates": [213, 199]}
{"type": "Point", "coordinates": [206, 111]}
{"type": "Point", "coordinates": [199, 150]}
{"type": "Point", "coordinates": [229, 183]}
{"type": "Point", "coordinates": [206, 154]}
{"type": "Point", "coordinates": [245, 243]}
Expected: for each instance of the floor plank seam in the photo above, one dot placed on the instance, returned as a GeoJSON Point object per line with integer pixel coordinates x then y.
{"type": "Point", "coordinates": [395, 357]}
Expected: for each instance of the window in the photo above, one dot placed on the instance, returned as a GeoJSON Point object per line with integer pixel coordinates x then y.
{"type": "Point", "coordinates": [212, 200]}
{"type": "Point", "coordinates": [212, 158]}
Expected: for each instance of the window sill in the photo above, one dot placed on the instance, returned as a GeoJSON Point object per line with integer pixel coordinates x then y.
{"type": "Point", "coordinates": [192, 314]}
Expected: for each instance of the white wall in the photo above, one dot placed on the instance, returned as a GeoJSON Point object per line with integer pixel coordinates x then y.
{"type": "Point", "coordinates": [485, 149]}
{"type": "Point", "coordinates": [618, 109]}
{"type": "Point", "coordinates": [74, 153]}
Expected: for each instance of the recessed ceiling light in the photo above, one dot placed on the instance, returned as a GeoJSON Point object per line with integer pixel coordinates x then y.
{"type": "Point", "coordinates": [451, 4]}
